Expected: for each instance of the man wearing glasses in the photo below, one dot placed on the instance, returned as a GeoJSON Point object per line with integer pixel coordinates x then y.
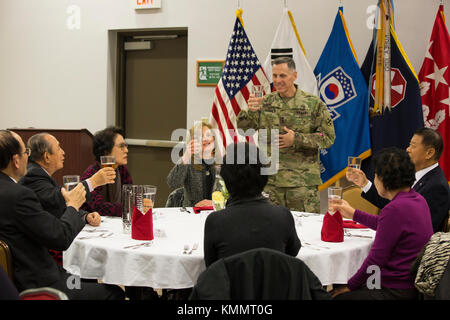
{"type": "Point", "coordinates": [29, 230]}
{"type": "Point", "coordinates": [46, 158]}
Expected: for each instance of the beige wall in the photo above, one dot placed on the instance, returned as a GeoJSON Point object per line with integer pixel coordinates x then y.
{"type": "Point", "coordinates": [54, 77]}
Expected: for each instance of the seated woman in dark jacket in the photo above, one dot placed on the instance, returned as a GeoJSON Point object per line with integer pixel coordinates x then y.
{"type": "Point", "coordinates": [249, 221]}
{"type": "Point", "coordinates": [403, 227]}
{"type": "Point", "coordinates": [106, 200]}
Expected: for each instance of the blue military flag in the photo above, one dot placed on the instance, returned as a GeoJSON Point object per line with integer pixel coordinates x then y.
{"type": "Point", "coordinates": [395, 105]}
{"type": "Point", "coordinates": [344, 91]}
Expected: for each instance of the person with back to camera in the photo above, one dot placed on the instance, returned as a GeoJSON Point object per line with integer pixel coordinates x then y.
{"type": "Point", "coordinates": [195, 171]}
{"type": "Point", "coordinates": [249, 220]}
{"type": "Point", "coordinates": [402, 227]}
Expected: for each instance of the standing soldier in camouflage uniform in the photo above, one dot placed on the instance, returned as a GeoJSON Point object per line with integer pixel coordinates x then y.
{"type": "Point", "coordinates": [305, 126]}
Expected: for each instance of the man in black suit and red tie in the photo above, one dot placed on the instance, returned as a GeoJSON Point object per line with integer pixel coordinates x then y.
{"type": "Point", "coordinates": [425, 149]}
{"type": "Point", "coordinates": [30, 231]}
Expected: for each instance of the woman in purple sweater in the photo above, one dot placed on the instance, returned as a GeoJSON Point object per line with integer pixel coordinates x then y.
{"type": "Point", "coordinates": [403, 227]}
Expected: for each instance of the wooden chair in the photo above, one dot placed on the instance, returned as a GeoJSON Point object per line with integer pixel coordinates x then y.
{"type": "Point", "coordinates": [6, 259]}
{"type": "Point", "coordinates": [352, 195]}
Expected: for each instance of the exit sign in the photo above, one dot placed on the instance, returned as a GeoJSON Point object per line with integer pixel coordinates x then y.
{"type": "Point", "coordinates": [146, 4]}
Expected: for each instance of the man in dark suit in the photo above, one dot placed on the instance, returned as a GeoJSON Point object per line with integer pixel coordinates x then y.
{"type": "Point", "coordinates": [46, 158]}
{"type": "Point", "coordinates": [30, 231]}
{"type": "Point", "coordinates": [425, 149]}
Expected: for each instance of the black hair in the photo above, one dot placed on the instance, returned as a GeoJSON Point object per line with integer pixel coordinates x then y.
{"type": "Point", "coordinates": [241, 170]}
{"type": "Point", "coordinates": [394, 168]}
{"type": "Point", "coordinates": [104, 141]}
{"type": "Point", "coordinates": [433, 139]}
{"type": "Point", "coordinates": [38, 145]}
{"type": "Point", "coordinates": [9, 146]}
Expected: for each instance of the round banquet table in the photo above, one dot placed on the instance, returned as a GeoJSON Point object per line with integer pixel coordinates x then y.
{"type": "Point", "coordinates": [104, 252]}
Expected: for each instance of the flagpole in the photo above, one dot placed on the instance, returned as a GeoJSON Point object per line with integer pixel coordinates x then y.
{"type": "Point", "coordinates": [387, 60]}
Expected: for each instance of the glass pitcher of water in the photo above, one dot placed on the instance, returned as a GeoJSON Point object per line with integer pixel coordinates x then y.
{"type": "Point", "coordinates": [140, 196]}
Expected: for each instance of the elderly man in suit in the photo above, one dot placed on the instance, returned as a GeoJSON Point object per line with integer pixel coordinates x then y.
{"type": "Point", "coordinates": [425, 149]}
{"type": "Point", "coordinates": [30, 231]}
{"type": "Point", "coordinates": [46, 158]}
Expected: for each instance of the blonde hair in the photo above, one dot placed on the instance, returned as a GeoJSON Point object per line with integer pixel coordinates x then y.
{"type": "Point", "coordinates": [191, 134]}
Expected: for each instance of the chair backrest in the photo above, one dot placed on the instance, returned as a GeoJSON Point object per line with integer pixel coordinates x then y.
{"type": "Point", "coordinates": [432, 278]}
{"type": "Point", "coordinates": [446, 227]}
{"type": "Point", "coordinates": [175, 198]}
{"type": "Point", "coordinates": [352, 195]}
{"type": "Point", "coordinates": [259, 274]}
{"type": "Point", "coordinates": [44, 293]}
{"type": "Point", "coordinates": [6, 259]}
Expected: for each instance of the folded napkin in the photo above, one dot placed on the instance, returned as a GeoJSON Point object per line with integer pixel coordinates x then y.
{"type": "Point", "coordinates": [353, 225]}
{"type": "Point", "coordinates": [332, 229]}
{"type": "Point", "coordinates": [142, 225]}
{"type": "Point", "coordinates": [198, 209]}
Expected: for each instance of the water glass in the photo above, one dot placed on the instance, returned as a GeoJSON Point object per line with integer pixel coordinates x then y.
{"type": "Point", "coordinates": [70, 181]}
{"type": "Point", "coordinates": [258, 91]}
{"type": "Point", "coordinates": [148, 198]}
{"type": "Point", "coordinates": [334, 193]}
{"type": "Point", "coordinates": [354, 162]}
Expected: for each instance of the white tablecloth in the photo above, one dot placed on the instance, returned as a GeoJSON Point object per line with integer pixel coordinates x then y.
{"type": "Point", "coordinates": [101, 254]}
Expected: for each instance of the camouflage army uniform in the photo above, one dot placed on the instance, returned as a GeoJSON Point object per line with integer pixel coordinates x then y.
{"type": "Point", "coordinates": [295, 184]}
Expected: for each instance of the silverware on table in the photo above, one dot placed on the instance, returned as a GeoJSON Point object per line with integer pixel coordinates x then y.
{"type": "Point", "coordinates": [139, 245]}
{"type": "Point", "coordinates": [101, 235]}
{"type": "Point", "coordinates": [183, 209]}
{"type": "Point", "coordinates": [348, 234]}
{"type": "Point", "coordinates": [94, 230]}
{"type": "Point", "coordinates": [194, 247]}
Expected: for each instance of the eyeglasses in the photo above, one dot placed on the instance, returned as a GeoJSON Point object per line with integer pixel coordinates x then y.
{"type": "Point", "coordinates": [122, 145]}
{"type": "Point", "coordinates": [27, 151]}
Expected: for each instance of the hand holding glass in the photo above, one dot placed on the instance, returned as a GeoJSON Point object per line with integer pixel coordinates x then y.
{"type": "Point", "coordinates": [334, 193]}
{"type": "Point", "coordinates": [70, 181]}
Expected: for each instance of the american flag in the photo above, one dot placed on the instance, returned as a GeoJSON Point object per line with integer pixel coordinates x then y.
{"type": "Point", "coordinates": [242, 69]}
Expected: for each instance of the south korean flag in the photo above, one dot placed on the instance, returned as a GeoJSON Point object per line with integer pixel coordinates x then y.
{"type": "Point", "coordinates": [336, 89]}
